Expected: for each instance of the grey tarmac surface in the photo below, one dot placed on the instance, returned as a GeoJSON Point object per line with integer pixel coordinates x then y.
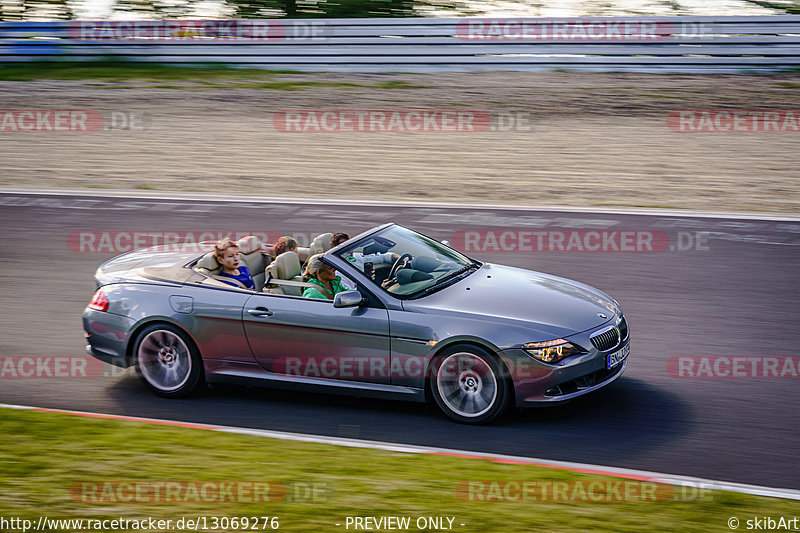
{"type": "Point", "coordinates": [732, 292]}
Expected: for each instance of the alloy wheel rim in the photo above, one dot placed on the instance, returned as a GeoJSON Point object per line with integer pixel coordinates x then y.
{"type": "Point", "coordinates": [165, 360]}
{"type": "Point", "coordinates": [466, 384]}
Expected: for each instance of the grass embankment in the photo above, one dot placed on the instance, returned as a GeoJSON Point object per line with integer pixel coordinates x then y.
{"type": "Point", "coordinates": [173, 76]}
{"type": "Point", "coordinates": [43, 456]}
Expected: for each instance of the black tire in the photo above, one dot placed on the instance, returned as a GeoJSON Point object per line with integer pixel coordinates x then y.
{"type": "Point", "coordinates": [167, 361]}
{"type": "Point", "coordinates": [469, 385]}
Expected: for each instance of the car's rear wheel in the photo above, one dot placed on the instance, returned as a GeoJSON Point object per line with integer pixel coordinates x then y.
{"type": "Point", "coordinates": [469, 385]}
{"type": "Point", "coordinates": [167, 361]}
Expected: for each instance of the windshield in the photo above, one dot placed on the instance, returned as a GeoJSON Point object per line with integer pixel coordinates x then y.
{"type": "Point", "coordinates": [407, 264]}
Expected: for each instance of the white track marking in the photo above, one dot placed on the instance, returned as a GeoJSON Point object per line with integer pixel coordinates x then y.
{"type": "Point", "coordinates": [215, 197]}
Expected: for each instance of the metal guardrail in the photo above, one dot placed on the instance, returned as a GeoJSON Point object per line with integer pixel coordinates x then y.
{"type": "Point", "coordinates": [632, 44]}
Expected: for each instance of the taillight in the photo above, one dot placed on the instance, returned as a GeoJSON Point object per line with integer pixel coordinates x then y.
{"type": "Point", "coordinates": [99, 301]}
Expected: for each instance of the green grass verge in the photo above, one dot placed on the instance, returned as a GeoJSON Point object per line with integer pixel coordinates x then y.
{"type": "Point", "coordinates": [282, 85]}
{"type": "Point", "coordinates": [43, 455]}
{"type": "Point", "coordinates": [178, 77]}
{"type": "Point", "coordinates": [397, 85]}
{"type": "Point", "coordinates": [123, 71]}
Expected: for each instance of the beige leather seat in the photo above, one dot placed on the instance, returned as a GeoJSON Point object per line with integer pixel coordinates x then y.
{"type": "Point", "coordinates": [285, 267]}
{"type": "Point", "coordinates": [302, 252]}
{"type": "Point", "coordinates": [320, 244]}
{"type": "Point", "coordinates": [208, 265]}
{"type": "Point", "coordinates": [249, 254]}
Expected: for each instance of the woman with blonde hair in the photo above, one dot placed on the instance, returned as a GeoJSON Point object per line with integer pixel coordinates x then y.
{"type": "Point", "coordinates": [323, 276]}
{"type": "Point", "coordinates": [227, 254]}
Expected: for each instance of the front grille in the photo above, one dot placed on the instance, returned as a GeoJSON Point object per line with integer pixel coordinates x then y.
{"type": "Point", "coordinates": [606, 339]}
{"type": "Point", "coordinates": [623, 329]}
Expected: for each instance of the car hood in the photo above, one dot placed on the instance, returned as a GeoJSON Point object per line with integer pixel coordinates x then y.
{"type": "Point", "coordinates": [557, 306]}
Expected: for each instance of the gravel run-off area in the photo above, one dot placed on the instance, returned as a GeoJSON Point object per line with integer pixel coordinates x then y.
{"type": "Point", "coordinates": [579, 139]}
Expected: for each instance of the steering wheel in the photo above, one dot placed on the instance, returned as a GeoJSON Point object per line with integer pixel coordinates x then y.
{"type": "Point", "coordinates": [396, 265]}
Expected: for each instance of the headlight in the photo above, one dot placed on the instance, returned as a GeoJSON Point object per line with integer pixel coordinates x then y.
{"type": "Point", "coordinates": [552, 351]}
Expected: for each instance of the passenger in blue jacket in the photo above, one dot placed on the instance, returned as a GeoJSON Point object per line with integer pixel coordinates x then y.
{"type": "Point", "coordinates": [227, 254]}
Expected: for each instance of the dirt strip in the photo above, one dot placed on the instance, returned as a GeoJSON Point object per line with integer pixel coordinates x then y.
{"type": "Point", "coordinates": [578, 139]}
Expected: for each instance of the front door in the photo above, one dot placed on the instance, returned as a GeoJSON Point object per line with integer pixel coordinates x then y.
{"type": "Point", "coordinates": [309, 337]}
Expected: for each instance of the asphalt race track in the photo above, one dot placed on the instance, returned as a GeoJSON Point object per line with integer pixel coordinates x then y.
{"type": "Point", "coordinates": [728, 287]}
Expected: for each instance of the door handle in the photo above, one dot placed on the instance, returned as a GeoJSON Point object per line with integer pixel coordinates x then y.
{"type": "Point", "coordinates": [260, 311]}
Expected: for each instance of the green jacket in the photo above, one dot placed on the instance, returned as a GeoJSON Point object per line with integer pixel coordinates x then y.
{"type": "Point", "coordinates": [322, 291]}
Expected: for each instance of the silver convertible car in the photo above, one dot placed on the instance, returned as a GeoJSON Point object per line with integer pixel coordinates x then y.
{"type": "Point", "coordinates": [423, 322]}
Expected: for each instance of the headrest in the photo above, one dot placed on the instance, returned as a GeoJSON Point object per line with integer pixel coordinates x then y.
{"type": "Point", "coordinates": [302, 252]}
{"type": "Point", "coordinates": [409, 275]}
{"type": "Point", "coordinates": [425, 263]}
{"type": "Point", "coordinates": [285, 266]}
{"type": "Point", "coordinates": [375, 248]}
{"type": "Point", "coordinates": [249, 244]}
{"type": "Point", "coordinates": [208, 261]}
{"type": "Point", "coordinates": [320, 244]}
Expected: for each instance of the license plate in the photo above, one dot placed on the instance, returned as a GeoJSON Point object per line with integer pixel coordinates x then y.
{"type": "Point", "coordinates": [617, 357]}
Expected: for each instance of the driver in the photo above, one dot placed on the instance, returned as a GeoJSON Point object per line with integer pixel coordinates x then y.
{"type": "Point", "coordinates": [359, 259]}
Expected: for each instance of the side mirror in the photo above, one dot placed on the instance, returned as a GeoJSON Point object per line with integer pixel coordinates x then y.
{"type": "Point", "coordinates": [348, 299]}
{"type": "Point", "coordinates": [446, 243]}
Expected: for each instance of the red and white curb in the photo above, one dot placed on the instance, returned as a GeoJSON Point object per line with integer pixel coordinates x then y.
{"type": "Point", "coordinates": [624, 473]}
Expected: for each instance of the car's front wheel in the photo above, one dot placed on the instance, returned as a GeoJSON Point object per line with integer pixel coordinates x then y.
{"type": "Point", "coordinates": [167, 361]}
{"type": "Point", "coordinates": [469, 385]}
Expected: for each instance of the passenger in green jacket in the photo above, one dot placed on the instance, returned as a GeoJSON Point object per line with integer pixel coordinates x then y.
{"type": "Point", "coordinates": [327, 283]}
